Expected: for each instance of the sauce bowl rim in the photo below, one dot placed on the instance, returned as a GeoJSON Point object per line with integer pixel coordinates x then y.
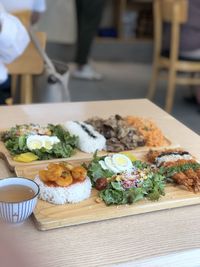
{"type": "Point", "coordinates": [23, 178]}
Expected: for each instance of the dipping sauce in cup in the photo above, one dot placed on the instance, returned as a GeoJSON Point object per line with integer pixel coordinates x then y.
{"type": "Point", "coordinates": [18, 198]}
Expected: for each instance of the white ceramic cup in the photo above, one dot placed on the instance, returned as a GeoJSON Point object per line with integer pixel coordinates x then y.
{"type": "Point", "coordinates": [17, 212]}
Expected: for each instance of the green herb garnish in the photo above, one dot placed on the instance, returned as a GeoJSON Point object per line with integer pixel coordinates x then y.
{"type": "Point", "coordinates": [170, 171]}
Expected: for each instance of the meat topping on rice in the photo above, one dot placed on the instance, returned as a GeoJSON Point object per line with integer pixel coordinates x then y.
{"type": "Point", "coordinates": [63, 183]}
{"type": "Point", "coordinates": [154, 156]}
{"type": "Point", "coordinates": [119, 135]}
{"type": "Point", "coordinates": [61, 195]}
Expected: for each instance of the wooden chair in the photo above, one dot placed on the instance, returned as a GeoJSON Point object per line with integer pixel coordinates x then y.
{"type": "Point", "coordinates": [28, 64]}
{"type": "Point", "coordinates": [24, 16]}
{"type": "Point", "coordinates": [174, 12]}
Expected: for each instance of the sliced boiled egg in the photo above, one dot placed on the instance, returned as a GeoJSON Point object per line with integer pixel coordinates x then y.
{"type": "Point", "coordinates": [122, 162]}
{"type": "Point", "coordinates": [129, 155]}
{"type": "Point", "coordinates": [103, 165]}
{"type": "Point", "coordinates": [49, 141]}
{"type": "Point", "coordinates": [41, 141]}
{"type": "Point", "coordinates": [109, 164]}
{"type": "Point", "coordinates": [34, 142]}
{"type": "Point", "coordinates": [55, 139]}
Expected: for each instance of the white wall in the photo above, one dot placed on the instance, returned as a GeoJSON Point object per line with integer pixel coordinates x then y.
{"type": "Point", "coordinates": [59, 21]}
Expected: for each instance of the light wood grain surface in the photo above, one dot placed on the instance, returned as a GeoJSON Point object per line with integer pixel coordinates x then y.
{"type": "Point", "coordinates": [118, 240]}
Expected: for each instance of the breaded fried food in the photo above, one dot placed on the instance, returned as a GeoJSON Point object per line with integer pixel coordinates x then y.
{"type": "Point", "coordinates": [153, 154]}
{"type": "Point", "coordinates": [187, 173]}
{"type": "Point", "coordinates": [179, 162]}
{"type": "Point", "coordinates": [62, 174]}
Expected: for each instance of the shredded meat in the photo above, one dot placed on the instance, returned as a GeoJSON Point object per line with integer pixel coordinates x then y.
{"type": "Point", "coordinates": [119, 135]}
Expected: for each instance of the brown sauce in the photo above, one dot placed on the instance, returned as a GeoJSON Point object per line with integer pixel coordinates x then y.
{"type": "Point", "coordinates": [15, 193]}
{"type": "Point", "coordinates": [53, 184]}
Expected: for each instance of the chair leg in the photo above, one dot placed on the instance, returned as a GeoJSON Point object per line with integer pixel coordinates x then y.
{"type": "Point", "coordinates": [13, 85]}
{"type": "Point", "coordinates": [26, 89]}
{"type": "Point", "coordinates": [170, 91]}
{"type": "Point", "coordinates": [192, 88]}
{"type": "Point", "coordinates": [153, 82]}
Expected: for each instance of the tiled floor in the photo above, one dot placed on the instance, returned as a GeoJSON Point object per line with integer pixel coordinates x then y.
{"type": "Point", "coordinates": [128, 80]}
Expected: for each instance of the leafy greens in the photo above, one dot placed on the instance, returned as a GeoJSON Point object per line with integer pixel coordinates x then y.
{"type": "Point", "coordinates": [17, 144]}
{"type": "Point", "coordinates": [152, 187]}
{"type": "Point", "coordinates": [95, 171]}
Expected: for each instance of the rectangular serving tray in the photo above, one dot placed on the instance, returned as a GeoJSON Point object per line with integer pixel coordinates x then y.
{"type": "Point", "coordinates": [48, 216]}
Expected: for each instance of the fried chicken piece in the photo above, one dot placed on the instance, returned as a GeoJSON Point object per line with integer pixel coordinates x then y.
{"type": "Point", "coordinates": [181, 179]}
{"type": "Point", "coordinates": [189, 178]}
{"type": "Point", "coordinates": [178, 162]}
{"type": "Point", "coordinates": [191, 174]}
{"type": "Point", "coordinates": [198, 172]}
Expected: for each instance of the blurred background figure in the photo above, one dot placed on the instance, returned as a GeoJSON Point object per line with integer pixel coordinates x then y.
{"type": "Point", "coordinates": [189, 41]}
{"type": "Point", "coordinates": [13, 40]}
{"type": "Point", "coordinates": [89, 13]}
{"type": "Point", "coordinates": [37, 7]}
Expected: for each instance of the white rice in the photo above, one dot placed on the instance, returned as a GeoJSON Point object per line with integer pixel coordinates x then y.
{"type": "Point", "coordinates": [172, 157]}
{"type": "Point", "coordinates": [86, 143]}
{"type": "Point", "coordinates": [62, 195]}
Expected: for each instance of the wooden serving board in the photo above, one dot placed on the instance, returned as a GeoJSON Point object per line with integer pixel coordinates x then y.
{"type": "Point", "coordinates": [48, 216]}
{"type": "Point", "coordinates": [78, 155]}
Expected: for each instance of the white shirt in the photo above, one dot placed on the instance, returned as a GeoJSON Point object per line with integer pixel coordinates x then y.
{"type": "Point", "coordinates": [18, 5]}
{"type": "Point", "coordinates": [13, 40]}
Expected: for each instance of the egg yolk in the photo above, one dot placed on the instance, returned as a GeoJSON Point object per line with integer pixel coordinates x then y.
{"type": "Point", "coordinates": [48, 144]}
{"type": "Point", "coordinates": [35, 144]}
{"type": "Point", "coordinates": [121, 161]}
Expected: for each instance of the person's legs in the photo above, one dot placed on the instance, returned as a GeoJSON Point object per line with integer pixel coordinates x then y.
{"type": "Point", "coordinates": [89, 14]}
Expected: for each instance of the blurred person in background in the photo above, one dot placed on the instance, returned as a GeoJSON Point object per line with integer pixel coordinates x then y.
{"type": "Point", "coordinates": [37, 7]}
{"type": "Point", "coordinates": [13, 40]}
{"type": "Point", "coordinates": [89, 13]}
{"type": "Point", "coordinates": [189, 41]}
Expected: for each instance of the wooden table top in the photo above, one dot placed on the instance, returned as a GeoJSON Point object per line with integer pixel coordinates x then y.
{"type": "Point", "coordinates": [113, 241]}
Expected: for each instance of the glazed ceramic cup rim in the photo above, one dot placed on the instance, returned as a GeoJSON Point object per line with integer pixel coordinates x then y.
{"type": "Point", "coordinates": [21, 178]}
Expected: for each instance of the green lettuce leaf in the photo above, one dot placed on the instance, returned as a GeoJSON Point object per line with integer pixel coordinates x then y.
{"type": "Point", "coordinates": [17, 144]}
